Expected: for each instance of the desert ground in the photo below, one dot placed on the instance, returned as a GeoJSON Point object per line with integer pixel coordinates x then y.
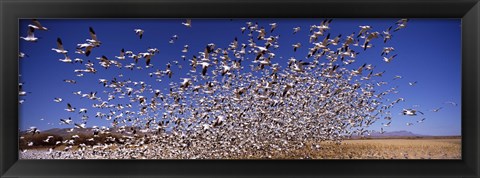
{"type": "Point", "coordinates": [379, 148]}
{"type": "Point", "coordinates": [423, 148]}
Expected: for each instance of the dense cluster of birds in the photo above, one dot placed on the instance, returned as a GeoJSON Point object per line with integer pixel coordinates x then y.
{"type": "Point", "coordinates": [236, 101]}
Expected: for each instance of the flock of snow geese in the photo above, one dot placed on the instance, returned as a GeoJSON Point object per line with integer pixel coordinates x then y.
{"type": "Point", "coordinates": [237, 101]}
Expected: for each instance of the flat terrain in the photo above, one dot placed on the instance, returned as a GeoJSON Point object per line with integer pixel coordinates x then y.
{"type": "Point", "coordinates": [385, 148]}
{"type": "Point", "coordinates": [423, 148]}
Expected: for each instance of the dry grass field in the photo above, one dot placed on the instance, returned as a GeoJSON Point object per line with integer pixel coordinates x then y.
{"type": "Point", "coordinates": [414, 148]}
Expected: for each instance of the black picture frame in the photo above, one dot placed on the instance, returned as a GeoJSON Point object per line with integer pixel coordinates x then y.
{"type": "Point", "coordinates": [12, 10]}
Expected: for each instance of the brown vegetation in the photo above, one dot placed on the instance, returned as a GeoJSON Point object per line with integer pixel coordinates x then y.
{"type": "Point", "coordinates": [424, 148]}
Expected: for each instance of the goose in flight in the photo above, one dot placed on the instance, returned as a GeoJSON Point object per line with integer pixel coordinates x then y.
{"type": "Point", "coordinates": [104, 61]}
{"type": "Point", "coordinates": [273, 26]}
{"type": "Point", "coordinates": [80, 126]}
{"type": "Point", "coordinates": [173, 38]}
{"type": "Point", "coordinates": [30, 35]}
{"type": "Point", "coordinates": [452, 103]}
{"type": "Point", "coordinates": [33, 130]}
{"type": "Point", "coordinates": [397, 77]}
{"type": "Point", "coordinates": [70, 108]}
{"type": "Point", "coordinates": [243, 29]}
{"type": "Point", "coordinates": [410, 112]}
{"type": "Point", "coordinates": [185, 49]}
{"type": "Point", "coordinates": [366, 46]}
{"type": "Point", "coordinates": [287, 88]}
{"type": "Point", "coordinates": [66, 59]}
{"type": "Point", "coordinates": [78, 60]}
{"type": "Point", "coordinates": [79, 51]}
{"type": "Point", "coordinates": [94, 39]}
{"type": "Point", "coordinates": [104, 81]}
{"type": "Point", "coordinates": [369, 38]}
{"type": "Point", "coordinates": [436, 109]}
{"type": "Point", "coordinates": [66, 121]}
{"type": "Point", "coordinates": [58, 100]}
{"type": "Point", "coordinates": [60, 48]}
{"type": "Point", "coordinates": [20, 90]}
{"type": "Point", "coordinates": [153, 50]}
{"type": "Point", "coordinates": [335, 40]}
{"type": "Point", "coordinates": [226, 70]}
{"type": "Point", "coordinates": [363, 30]}
{"type": "Point", "coordinates": [261, 33]}
{"type": "Point", "coordinates": [412, 83]}
{"type": "Point", "coordinates": [205, 66]}
{"type": "Point", "coordinates": [386, 35]}
{"type": "Point", "coordinates": [299, 66]}
{"type": "Point", "coordinates": [36, 25]}
{"type": "Point", "coordinates": [325, 25]}
{"type": "Point", "coordinates": [382, 131]}
{"type": "Point", "coordinates": [122, 55]}
{"type": "Point", "coordinates": [188, 23]}
{"type": "Point", "coordinates": [147, 57]}
{"type": "Point", "coordinates": [22, 55]}
{"type": "Point", "coordinates": [387, 50]}
{"type": "Point", "coordinates": [139, 32]}
{"type": "Point", "coordinates": [359, 70]}
{"type": "Point", "coordinates": [420, 121]}
{"type": "Point", "coordinates": [186, 82]}
{"type": "Point", "coordinates": [84, 110]}
{"type": "Point", "coordinates": [387, 124]}
{"type": "Point", "coordinates": [296, 29]}
{"type": "Point", "coordinates": [295, 46]}
{"type": "Point", "coordinates": [70, 81]}
{"type": "Point", "coordinates": [88, 48]}
{"type": "Point", "coordinates": [388, 60]}
{"type": "Point", "coordinates": [402, 23]}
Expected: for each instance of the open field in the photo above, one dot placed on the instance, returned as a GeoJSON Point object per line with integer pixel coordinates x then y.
{"type": "Point", "coordinates": [427, 148]}
{"type": "Point", "coordinates": [385, 148]}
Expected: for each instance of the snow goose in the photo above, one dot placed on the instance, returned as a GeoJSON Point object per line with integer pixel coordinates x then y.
{"type": "Point", "coordinates": [30, 35]}
{"type": "Point", "coordinates": [386, 35]}
{"type": "Point", "coordinates": [410, 112]}
{"type": "Point", "coordinates": [185, 49]}
{"type": "Point", "coordinates": [36, 25]}
{"type": "Point", "coordinates": [94, 39]}
{"type": "Point", "coordinates": [296, 29]}
{"type": "Point", "coordinates": [70, 108]}
{"type": "Point", "coordinates": [60, 48]}
{"type": "Point", "coordinates": [139, 32]}
{"type": "Point", "coordinates": [66, 59]}
{"type": "Point", "coordinates": [296, 46]}
{"type": "Point", "coordinates": [273, 26]}
{"type": "Point", "coordinates": [188, 23]}
{"type": "Point", "coordinates": [122, 55]}
{"type": "Point", "coordinates": [452, 103]}
{"type": "Point", "coordinates": [70, 81]}
{"type": "Point", "coordinates": [387, 50]}
{"type": "Point", "coordinates": [402, 23]}
{"type": "Point", "coordinates": [363, 30]}
{"type": "Point", "coordinates": [388, 60]}
{"type": "Point", "coordinates": [66, 121]}
{"type": "Point", "coordinates": [22, 55]}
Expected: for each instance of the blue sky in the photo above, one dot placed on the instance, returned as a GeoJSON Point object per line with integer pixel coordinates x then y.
{"type": "Point", "coordinates": [429, 51]}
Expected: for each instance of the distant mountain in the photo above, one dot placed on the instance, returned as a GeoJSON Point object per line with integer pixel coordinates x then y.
{"type": "Point", "coordinates": [64, 132]}
{"type": "Point", "coordinates": [401, 133]}
{"type": "Point", "coordinates": [392, 134]}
